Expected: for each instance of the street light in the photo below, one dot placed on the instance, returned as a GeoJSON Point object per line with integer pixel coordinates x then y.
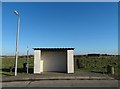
{"type": "Point", "coordinates": [17, 37]}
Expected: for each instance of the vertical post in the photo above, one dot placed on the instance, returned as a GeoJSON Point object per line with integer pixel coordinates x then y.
{"type": "Point", "coordinates": [37, 60]}
{"type": "Point", "coordinates": [70, 61]}
{"type": "Point", "coordinates": [17, 37]}
{"type": "Point", "coordinates": [27, 60]}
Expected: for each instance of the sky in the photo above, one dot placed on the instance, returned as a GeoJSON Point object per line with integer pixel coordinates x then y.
{"type": "Point", "coordinates": [88, 27]}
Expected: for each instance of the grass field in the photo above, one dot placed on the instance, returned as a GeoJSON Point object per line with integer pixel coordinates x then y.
{"type": "Point", "coordinates": [97, 65]}
{"type": "Point", "coordinates": [9, 62]}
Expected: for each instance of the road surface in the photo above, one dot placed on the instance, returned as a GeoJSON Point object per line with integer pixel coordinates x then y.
{"type": "Point", "coordinates": [63, 83]}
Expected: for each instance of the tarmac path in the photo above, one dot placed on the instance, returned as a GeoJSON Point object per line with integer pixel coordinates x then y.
{"type": "Point", "coordinates": [62, 83]}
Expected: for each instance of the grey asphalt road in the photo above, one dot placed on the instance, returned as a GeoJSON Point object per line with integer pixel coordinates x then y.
{"type": "Point", "coordinates": [63, 83]}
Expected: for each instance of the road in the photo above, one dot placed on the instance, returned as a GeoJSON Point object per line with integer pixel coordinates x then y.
{"type": "Point", "coordinates": [63, 83]}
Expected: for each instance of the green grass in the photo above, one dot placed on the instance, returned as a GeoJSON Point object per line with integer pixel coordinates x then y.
{"type": "Point", "coordinates": [97, 65]}
{"type": "Point", "coordinates": [9, 62]}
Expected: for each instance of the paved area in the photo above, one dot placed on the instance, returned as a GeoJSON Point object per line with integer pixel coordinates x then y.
{"type": "Point", "coordinates": [63, 83]}
{"type": "Point", "coordinates": [55, 76]}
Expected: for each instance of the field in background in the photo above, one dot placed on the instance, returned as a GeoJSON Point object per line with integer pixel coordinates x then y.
{"type": "Point", "coordinates": [96, 65]}
{"type": "Point", "coordinates": [10, 62]}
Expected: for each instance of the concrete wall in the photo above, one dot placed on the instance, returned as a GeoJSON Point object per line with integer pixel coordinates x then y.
{"type": "Point", "coordinates": [54, 60]}
{"type": "Point", "coordinates": [70, 61]}
{"type": "Point", "coordinates": [37, 58]}
{"type": "Point", "coordinates": [41, 65]}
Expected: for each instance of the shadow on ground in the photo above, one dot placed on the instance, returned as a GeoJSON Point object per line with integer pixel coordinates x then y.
{"type": "Point", "coordinates": [9, 72]}
{"type": "Point", "coordinates": [99, 72]}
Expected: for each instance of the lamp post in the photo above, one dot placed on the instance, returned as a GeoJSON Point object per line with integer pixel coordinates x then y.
{"type": "Point", "coordinates": [17, 37]}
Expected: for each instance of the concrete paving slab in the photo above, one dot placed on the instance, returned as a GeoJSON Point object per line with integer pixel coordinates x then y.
{"type": "Point", "coordinates": [56, 76]}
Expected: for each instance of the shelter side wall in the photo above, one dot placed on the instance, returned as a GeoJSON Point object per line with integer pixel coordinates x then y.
{"type": "Point", "coordinates": [37, 58]}
{"type": "Point", "coordinates": [70, 61]}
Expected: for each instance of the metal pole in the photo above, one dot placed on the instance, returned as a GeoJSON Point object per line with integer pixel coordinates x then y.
{"type": "Point", "coordinates": [17, 38]}
{"type": "Point", "coordinates": [27, 58]}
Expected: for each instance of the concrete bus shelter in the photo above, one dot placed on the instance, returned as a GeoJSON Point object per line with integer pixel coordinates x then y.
{"type": "Point", "coordinates": [53, 60]}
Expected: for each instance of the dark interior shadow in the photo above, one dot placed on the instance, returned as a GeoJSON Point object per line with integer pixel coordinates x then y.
{"type": "Point", "coordinates": [54, 72]}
